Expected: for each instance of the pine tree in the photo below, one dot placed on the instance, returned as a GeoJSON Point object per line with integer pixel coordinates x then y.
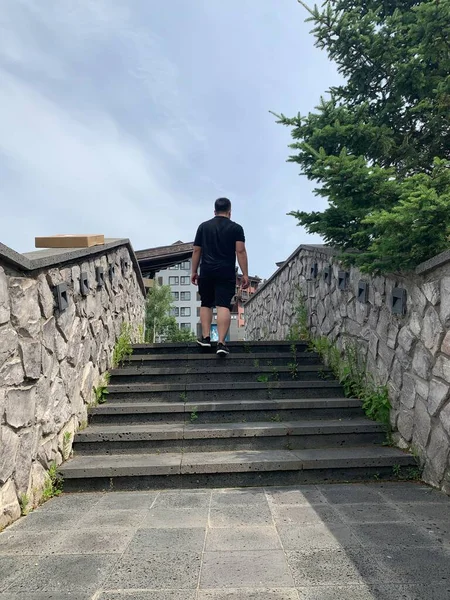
{"type": "Point", "coordinates": [379, 144]}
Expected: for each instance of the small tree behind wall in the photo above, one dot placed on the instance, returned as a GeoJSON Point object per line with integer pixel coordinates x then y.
{"type": "Point", "coordinates": [159, 324]}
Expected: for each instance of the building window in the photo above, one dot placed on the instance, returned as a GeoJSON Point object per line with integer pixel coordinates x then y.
{"type": "Point", "coordinates": [160, 280]}
{"type": "Point", "coordinates": [174, 267]}
{"type": "Point", "coordinates": [174, 280]}
{"type": "Point", "coordinates": [185, 280]}
{"type": "Point", "coordinates": [186, 296]}
{"type": "Point", "coordinates": [198, 297]}
{"type": "Point", "coordinates": [175, 295]}
{"type": "Point", "coordinates": [186, 265]}
{"type": "Point", "coordinates": [198, 311]}
{"type": "Point", "coordinates": [185, 311]}
{"type": "Point", "coordinates": [185, 325]}
{"type": "Point", "coordinates": [175, 311]}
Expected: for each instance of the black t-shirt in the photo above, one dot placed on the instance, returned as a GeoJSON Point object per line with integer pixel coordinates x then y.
{"type": "Point", "coordinates": [217, 239]}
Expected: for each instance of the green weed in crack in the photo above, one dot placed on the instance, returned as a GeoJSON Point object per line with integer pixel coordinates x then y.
{"type": "Point", "coordinates": [53, 483]}
{"type": "Point", "coordinates": [350, 369]}
{"type": "Point", "coordinates": [122, 349]}
{"type": "Point", "coordinates": [293, 370]}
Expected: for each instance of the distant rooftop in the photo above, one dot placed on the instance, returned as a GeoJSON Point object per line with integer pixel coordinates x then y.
{"type": "Point", "coordinates": [152, 260]}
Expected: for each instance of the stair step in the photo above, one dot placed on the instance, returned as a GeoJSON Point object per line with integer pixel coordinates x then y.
{"type": "Point", "coordinates": [199, 392]}
{"type": "Point", "coordinates": [180, 417]}
{"type": "Point", "coordinates": [235, 347]}
{"type": "Point", "coordinates": [226, 411]}
{"type": "Point", "coordinates": [152, 471]}
{"type": "Point", "coordinates": [193, 437]}
{"type": "Point", "coordinates": [173, 431]}
{"type": "Point", "coordinates": [218, 372]}
{"type": "Point", "coordinates": [184, 360]}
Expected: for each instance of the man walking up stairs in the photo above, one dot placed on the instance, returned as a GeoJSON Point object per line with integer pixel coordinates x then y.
{"type": "Point", "coordinates": [217, 244]}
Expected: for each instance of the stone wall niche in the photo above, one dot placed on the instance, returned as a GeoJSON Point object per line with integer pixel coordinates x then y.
{"type": "Point", "coordinates": [398, 301]}
{"type": "Point", "coordinates": [363, 292]}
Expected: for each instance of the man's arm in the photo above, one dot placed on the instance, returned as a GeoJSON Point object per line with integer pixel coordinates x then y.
{"type": "Point", "coordinates": [196, 255]}
{"type": "Point", "coordinates": [242, 258]}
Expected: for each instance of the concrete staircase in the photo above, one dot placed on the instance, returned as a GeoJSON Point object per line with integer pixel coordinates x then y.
{"type": "Point", "coordinates": [268, 414]}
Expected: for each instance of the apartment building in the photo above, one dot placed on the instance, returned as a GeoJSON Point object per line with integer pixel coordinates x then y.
{"type": "Point", "coordinates": [241, 298]}
{"type": "Point", "coordinates": [186, 305]}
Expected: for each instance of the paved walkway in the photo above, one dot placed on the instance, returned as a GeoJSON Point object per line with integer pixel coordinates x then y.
{"type": "Point", "coordinates": [336, 542]}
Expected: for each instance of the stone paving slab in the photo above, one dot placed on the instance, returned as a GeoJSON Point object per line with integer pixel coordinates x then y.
{"type": "Point", "coordinates": [308, 495]}
{"type": "Point", "coordinates": [65, 573]}
{"type": "Point", "coordinates": [58, 595]}
{"type": "Point", "coordinates": [163, 570]}
{"type": "Point", "coordinates": [243, 538]}
{"type": "Point", "coordinates": [239, 516]}
{"type": "Point", "coordinates": [376, 541]}
{"type": "Point", "coordinates": [261, 568]}
{"type": "Point", "coordinates": [161, 517]}
{"type": "Point", "coordinates": [320, 536]}
{"type": "Point", "coordinates": [369, 592]}
{"type": "Point", "coordinates": [348, 494]}
{"type": "Point", "coordinates": [242, 497]}
{"type": "Point", "coordinates": [68, 503]}
{"type": "Point", "coordinates": [149, 595]}
{"type": "Point", "coordinates": [249, 594]}
{"type": "Point", "coordinates": [329, 566]}
{"type": "Point", "coordinates": [188, 499]}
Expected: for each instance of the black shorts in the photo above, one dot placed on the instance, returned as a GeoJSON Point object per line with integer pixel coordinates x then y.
{"type": "Point", "coordinates": [216, 292]}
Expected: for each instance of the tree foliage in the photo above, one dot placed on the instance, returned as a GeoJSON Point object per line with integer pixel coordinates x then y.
{"type": "Point", "coordinates": [159, 324]}
{"type": "Point", "coordinates": [379, 144]}
{"type": "Point", "coordinates": [172, 333]}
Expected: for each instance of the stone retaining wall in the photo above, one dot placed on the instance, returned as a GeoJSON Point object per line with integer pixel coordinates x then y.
{"type": "Point", "coordinates": [410, 352]}
{"type": "Point", "coordinates": [51, 360]}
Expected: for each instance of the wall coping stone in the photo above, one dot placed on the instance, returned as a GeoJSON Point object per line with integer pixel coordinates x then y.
{"type": "Point", "coordinates": [52, 257]}
{"type": "Point", "coordinates": [328, 250]}
{"type": "Point", "coordinates": [433, 263]}
{"type": "Point", "coordinates": [429, 265]}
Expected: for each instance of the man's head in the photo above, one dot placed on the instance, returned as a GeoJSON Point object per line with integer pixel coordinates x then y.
{"type": "Point", "coordinates": [222, 207]}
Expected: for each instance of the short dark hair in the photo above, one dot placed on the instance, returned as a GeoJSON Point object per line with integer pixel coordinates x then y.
{"type": "Point", "coordinates": [222, 205]}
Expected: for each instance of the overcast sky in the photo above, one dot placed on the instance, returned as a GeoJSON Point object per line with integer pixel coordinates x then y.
{"type": "Point", "coordinates": [130, 117]}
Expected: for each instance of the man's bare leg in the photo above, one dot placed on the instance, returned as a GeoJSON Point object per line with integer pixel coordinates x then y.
{"type": "Point", "coordinates": [206, 320]}
{"type": "Point", "coordinates": [223, 322]}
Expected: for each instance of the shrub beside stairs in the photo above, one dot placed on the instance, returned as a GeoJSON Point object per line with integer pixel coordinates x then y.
{"type": "Point", "coordinates": [268, 414]}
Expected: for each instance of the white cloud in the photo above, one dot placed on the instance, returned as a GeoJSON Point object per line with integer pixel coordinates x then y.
{"type": "Point", "coordinates": [80, 171]}
{"type": "Point", "coordinates": [130, 118]}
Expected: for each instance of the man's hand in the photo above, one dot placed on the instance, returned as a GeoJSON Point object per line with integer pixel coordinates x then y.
{"type": "Point", "coordinates": [244, 282]}
{"type": "Point", "coordinates": [196, 255]}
